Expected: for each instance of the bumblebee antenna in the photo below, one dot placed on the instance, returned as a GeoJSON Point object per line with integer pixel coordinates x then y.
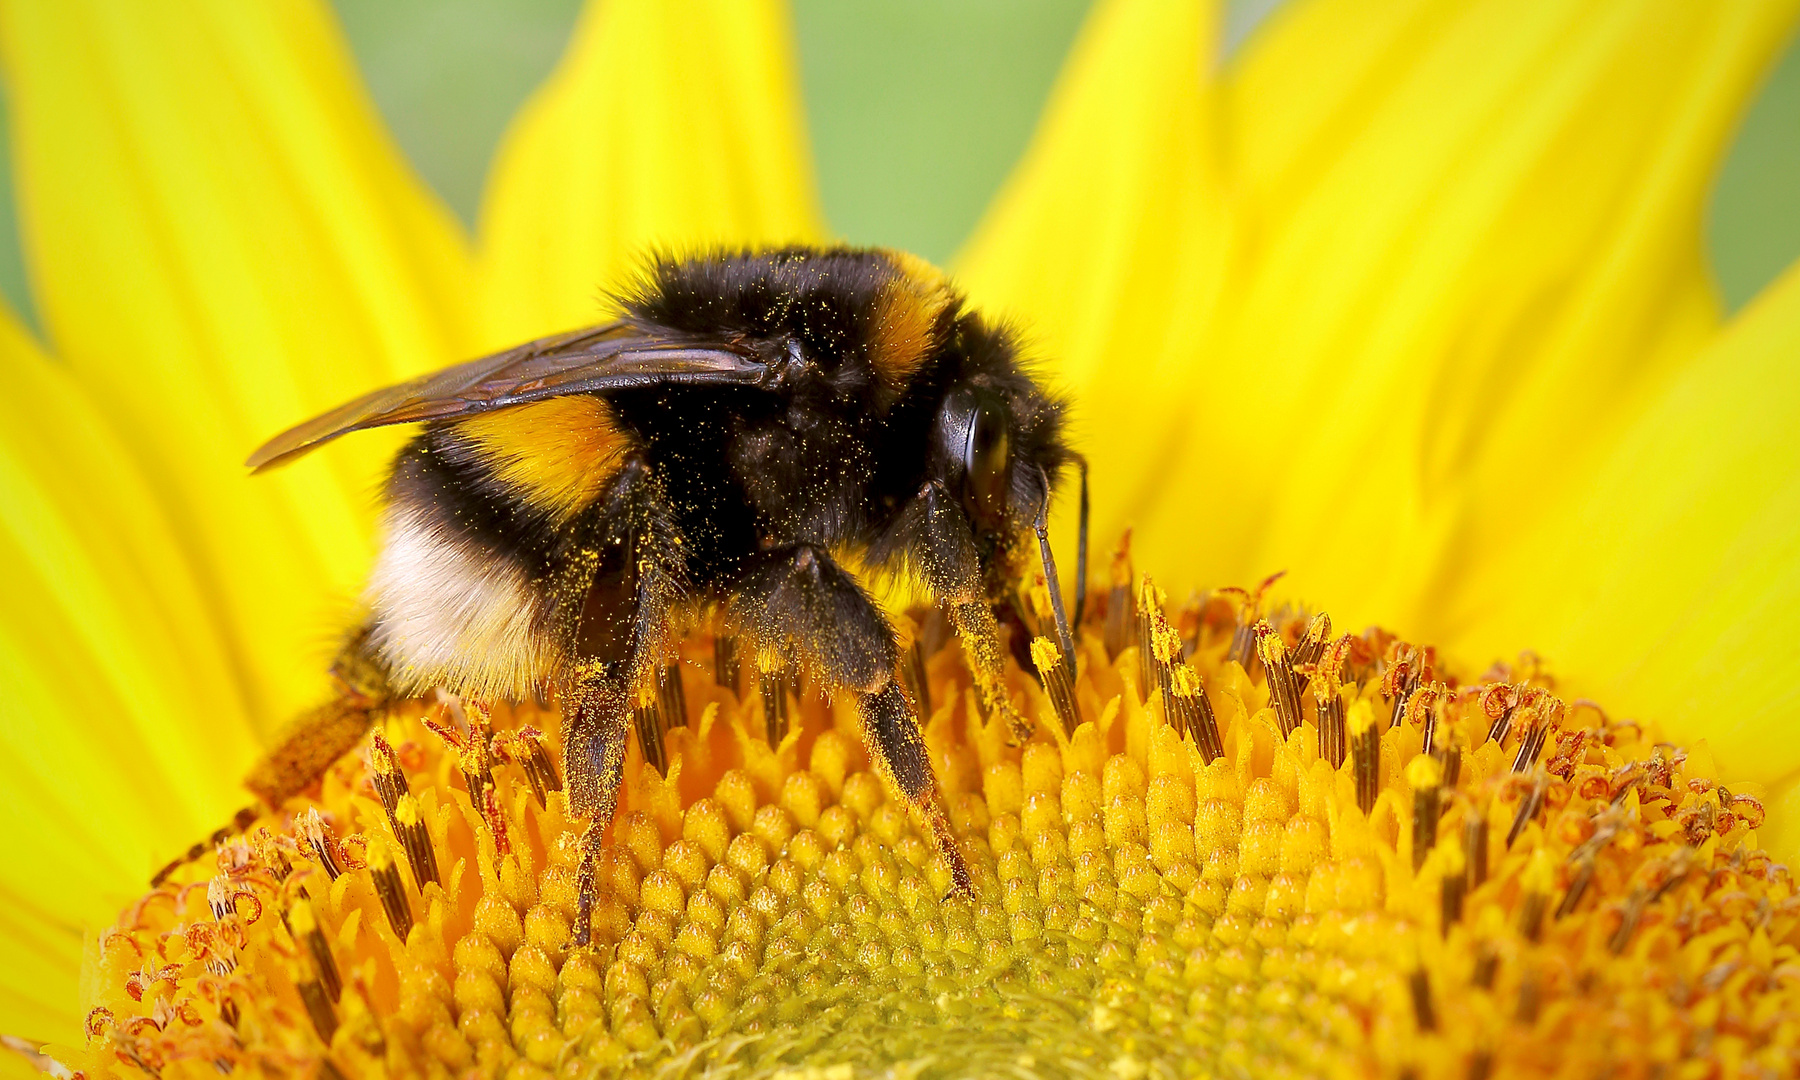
{"type": "Point", "coordinates": [1056, 604]}
{"type": "Point", "coordinates": [1081, 544]}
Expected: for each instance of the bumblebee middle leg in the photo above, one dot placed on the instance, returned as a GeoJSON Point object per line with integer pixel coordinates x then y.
{"type": "Point", "coordinates": [634, 576]}
{"type": "Point", "coordinates": [801, 604]}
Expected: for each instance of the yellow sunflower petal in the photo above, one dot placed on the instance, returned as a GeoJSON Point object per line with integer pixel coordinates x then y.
{"type": "Point", "coordinates": [666, 125]}
{"type": "Point", "coordinates": [107, 653]}
{"type": "Point", "coordinates": [222, 242]}
{"type": "Point", "coordinates": [1669, 583]}
{"type": "Point", "coordinates": [1108, 242]}
{"type": "Point", "coordinates": [1460, 235]}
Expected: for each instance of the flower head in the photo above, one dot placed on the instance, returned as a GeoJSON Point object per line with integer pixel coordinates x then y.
{"type": "Point", "coordinates": [1406, 299]}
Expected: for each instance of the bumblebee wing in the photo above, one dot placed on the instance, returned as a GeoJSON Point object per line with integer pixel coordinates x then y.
{"type": "Point", "coordinates": [613, 356]}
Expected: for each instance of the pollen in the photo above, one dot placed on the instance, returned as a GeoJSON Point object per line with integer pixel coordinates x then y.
{"type": "Point", "coordinates": [1231, 845]}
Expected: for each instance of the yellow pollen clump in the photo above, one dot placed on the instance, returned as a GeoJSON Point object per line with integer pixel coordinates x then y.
{"type": "Point", "coordinates": [1291, 856]}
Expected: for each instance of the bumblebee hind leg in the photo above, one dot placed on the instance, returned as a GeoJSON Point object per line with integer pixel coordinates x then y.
{"type": "Point", "coordinates": [633, 577]}
{"type": "Point", "coordinates": [800, 603]}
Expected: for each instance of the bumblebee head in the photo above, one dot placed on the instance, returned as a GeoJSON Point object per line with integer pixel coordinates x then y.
{"type": "Point", "coordinates": [997, 441]}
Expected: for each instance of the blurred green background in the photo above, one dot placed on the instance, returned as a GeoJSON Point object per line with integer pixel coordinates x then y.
{"type": "Point", "coordinates": [917, 109]}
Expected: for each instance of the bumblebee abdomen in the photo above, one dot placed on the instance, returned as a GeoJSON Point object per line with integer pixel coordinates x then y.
{"type": "Point", "coordinates": [479, 512]}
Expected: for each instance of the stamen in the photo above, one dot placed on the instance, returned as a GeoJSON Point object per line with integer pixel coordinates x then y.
{"type": "Point", "coordinates": [403, 815]}
{"type": "Point", "coordinates": [1121, 603]}
{"type": "Point", "coordinates": [1500, 701]}
{"type": "Point", "coordinates": [1534, 896]}
{"type": "Point", "coordinates": [391, 889]}
{"type": "Point", "coordinates": [303, 923]}
{"type": "Point", "coordinates": [1325, 671]}
{"type": "Point", "coordinates": [318, 1005]}
{"type": "Point", "coordinates": [319, 840]}
{"type": "Point", "coordinates": [1243, 649]}
{"type": "Point", "coordinates": [1422, 709]}
{"type": "Point", "coordinates": [1312, 644]}
{"type": "Point", "coordinates": [917, 683]}
{"type": "Point", "coordinates": [671, 697]}
{"type": "Point", "coordinates": [1425, 775]}
{"type": "Point", "coordinates": [1475, 846]}
{"type": "Point", "coordinates": [1528, 806]}
{"type": "Point", "coordinates": [1527, 1012]}
{"type": "Point", "coordinates": [1047, 660]}
{"type": "Point", "coordinates": [1408, 666]}
{"type": "Point", "coordinates": [773, 687]}
{"type": "Point", "coordinates": [538, 760]}
{"type": "Point", "coordinates": [1190, 701]}
{"type": "Point", "coordinates": [727, 670]}
{"type": "Point", "coordinates": [647, 719]}
{"type": "Point", "coordinates": [415, 839]}
{"type": "Point", "coordinates": [1365, 754]}
{"type": "Point", "coordinates": [1149, 617]}
{"type": "Point", "coordinates": [1420, 985]}
{"type": "Point", "coordinates": [1487, 965]}
{"type": "Point", "coordinates": [1284, 689]}
{"type": "Point", "coordinates": [1584, 874]}
{"type": "Point", "coordinates": [1546, 719]}
{"type": "Point", "coordinates": [1451, 758]}
{"type": "Point", "coordinates": [1452, 888]}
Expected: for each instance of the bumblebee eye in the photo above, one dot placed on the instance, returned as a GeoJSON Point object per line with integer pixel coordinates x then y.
{"type": "Point", "coordinates": [977, 446]}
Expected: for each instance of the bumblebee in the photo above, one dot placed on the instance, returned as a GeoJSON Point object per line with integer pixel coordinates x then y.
{"type": "Point", "coordinates": [750, 419]}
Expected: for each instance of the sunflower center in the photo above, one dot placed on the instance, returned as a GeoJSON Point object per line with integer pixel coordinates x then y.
{"type": "Point", "coordinates": [1234, 845]}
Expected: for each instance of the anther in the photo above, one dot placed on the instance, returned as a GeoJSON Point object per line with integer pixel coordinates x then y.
{"type": "Point", "coordinates": [1584, 876]}
{"type": "Point", "coordinates": [1284, 689]}
{"type": "Point", "coordinates": [1628, 921]}
{"type": "Point", "coordinates": [1452, 888]}
{"type": "Point", "coordinates": [1190, 700]}
{"type": "Point", "coordinates": [917, 683]}
{"type": "Point", "coordinates": [1528, 807]}
{"type": "Point", "coordinates": [539, 762]}
{"type": "Point", "coordinates": [671, 697]}
{"type": "Point", "coordinates": [1450, 757]}
{"type": "Point", "coordinates": [1420, 985]}
{"type": "Point", "coordinates": [773, 686]}
{"type": "Point", "coordinates": [727, 669]}
{"type": "Point", "coordinates": [1121, 606]}
{"type": "Point", "coordinates": [1534, 896]}
{"type": "Point", "coordinates": [318, 1007]}
{"type": "Point", "coordinates": [303, 923]}
{"type": "Point", "coordinates": [391, 889]}
{"type": "Point", "coordinates": [1243, 641]}
{"type": "Point", "coordinates": [647, 718]}
{"type": "Point", "coordinates": [1365, 754]}
{"type": "Point", "coordinates": [1325, 669]}
{"type": "Point", "coordinates": [1425, 776]}
{"type": "Point", "coordinates": [415, 839]}
{"type": "Point", "coordinates": [319, 840]}
{"type": "Point", "coordinates": [1150, 600]}
{"type": "Point", "coordinates": [1499, 702]}
{"type": "Point", "coordinates": [1407, 667]}
{"type": "Point", "coordinates": [1528, 998]}
{"type": "Point", "coordinates": [1312, 644]}
{"type": "Point", "coordinates": [1548, 713]}
{"type": "Point", "coordinates": [1048, 661]}
{"type": "Point", "coordinates": [1475, 846]}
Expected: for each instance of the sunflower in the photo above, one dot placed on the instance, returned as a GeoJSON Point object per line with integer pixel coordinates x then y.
{"type": "Point", "coordinates": [1407, 300]}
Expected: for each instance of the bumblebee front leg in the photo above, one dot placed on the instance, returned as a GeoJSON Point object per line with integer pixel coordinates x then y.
{"type": "Point", "coordinates": [934, 530]}
{"type": "Point", "coordinates": [801, 604]}
{"type": "Point", "coordinates": [632, 573]}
